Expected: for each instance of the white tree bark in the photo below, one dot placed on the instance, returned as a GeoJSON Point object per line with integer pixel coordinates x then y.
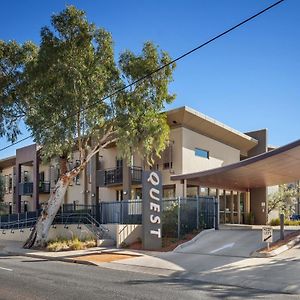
{"type": "Point", "coordinates": [39, 234]}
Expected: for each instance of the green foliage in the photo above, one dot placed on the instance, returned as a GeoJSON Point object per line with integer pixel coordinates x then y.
{"type": "Point", "coordinates": [250, 218]}
{"type": "Point", "coordinates": [276, 222]}
{"type": "Point", "coordinates": [74, 69]}
{"type": "Point", "coordinates": [170, 221]}
{"type": "Point", "coordinates": [284, 199]}
{"type": "Point", "coordinates": [141, 127]}
{"type": "Point", "coordinates": [14, 58]}
{"type": "Point", "coordinates": [51, 87]}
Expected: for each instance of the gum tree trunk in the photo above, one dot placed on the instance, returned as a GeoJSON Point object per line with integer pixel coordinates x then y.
{"type": "Point", "coordinates": [38, 236]}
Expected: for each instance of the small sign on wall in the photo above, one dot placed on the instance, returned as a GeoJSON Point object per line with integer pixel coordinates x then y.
{"type": "Point", "coordinates": [152, 206]}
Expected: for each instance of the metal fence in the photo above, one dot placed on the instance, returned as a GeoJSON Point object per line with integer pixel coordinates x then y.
{"type": "Point", "coordinates": [180, 216]}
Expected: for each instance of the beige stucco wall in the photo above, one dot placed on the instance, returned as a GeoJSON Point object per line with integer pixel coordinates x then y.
{"type": "Point", "coordinates": [219, 153]}
{"type": "Point", "coordinates": [82, 232]}
{"type": "Point", "coordinates": [8, 197]}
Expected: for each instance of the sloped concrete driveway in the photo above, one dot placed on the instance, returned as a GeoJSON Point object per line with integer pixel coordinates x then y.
{"type": "Point", "coordinates": [227, 242]}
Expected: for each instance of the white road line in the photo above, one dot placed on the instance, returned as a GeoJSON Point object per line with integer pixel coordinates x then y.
{"type": "Point", "coordinates": [10, 270]}
{"type": "Point", "coordinates": [223, 247]}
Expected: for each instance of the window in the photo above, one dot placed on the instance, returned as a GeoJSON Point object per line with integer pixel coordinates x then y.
{"type": "Point", "coordinates": [201, 153]}
{"type": "Point", "coordinates": [169, 191]}
{"type": "Point", "coordinates": [168, 165]}
{"type": "Point", "coordinates": [10, 183]}
{"type": "Point", "coordinates": [6, 184]}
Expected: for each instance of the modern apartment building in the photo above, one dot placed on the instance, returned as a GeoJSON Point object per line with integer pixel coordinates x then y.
{"type": "Point", "coordinates": [198, 143]}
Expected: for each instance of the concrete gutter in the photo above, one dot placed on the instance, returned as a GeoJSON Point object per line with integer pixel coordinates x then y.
{"type": "Point", "coordinates": [278, 250]}
{"type": "Point", "coordinates": [67, 256]}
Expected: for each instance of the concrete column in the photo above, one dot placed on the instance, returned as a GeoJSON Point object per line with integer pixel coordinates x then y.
{"type": "Point", "coordinates": [126, 181]}
{"type": "Point", "coordinates": [199, 190]}
{"type": "Point", "coordinates": [238, 207]}
{"type": "Point", "coordinates": [178, 189]}
{"type": "Point", "coordinates": [218, 200]}
{"type": "Point", "coordinates": [35, 180]}
{"type": "Point", "coordinates": [258, 200]}
{"type": "Point", "coordinates": [18, 180]}
{"type": "Point", "coordinates": [231, 207]}
{"type": "Point", "coordinates": [247, 202]}
{"type": "Point", "coordinates": [85, 185]}
{"type": "Point", "coordinates": [94, 185]}
{"type": "Point", "coordinates": [184, 188]}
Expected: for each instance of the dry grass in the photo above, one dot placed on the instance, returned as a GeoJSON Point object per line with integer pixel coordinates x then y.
{"type": "Point", "coordinates": [61, 244]}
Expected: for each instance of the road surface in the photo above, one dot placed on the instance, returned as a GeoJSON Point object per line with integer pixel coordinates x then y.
{"type": "Point", "coordinates": [27, 278]}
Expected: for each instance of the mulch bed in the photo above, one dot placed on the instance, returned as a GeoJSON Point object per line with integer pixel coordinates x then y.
{"type": "Point", "coordinates": [169, 244]}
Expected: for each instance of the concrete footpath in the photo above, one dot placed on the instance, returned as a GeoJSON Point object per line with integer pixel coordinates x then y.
{"type": "Point", "coordinates": [275, 274]}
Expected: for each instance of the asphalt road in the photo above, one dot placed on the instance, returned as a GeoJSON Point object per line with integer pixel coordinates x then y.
{"type": "Point", "coordinates": [27, 278]}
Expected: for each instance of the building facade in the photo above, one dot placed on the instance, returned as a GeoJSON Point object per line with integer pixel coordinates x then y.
{"type": "Point", "coordinates": [197, 143]}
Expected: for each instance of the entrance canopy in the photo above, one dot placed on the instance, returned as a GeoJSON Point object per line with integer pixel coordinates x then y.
{"type": "Point", "coordinates": [278, 166]}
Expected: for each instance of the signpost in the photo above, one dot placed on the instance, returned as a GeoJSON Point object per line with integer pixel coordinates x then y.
{"type": "Point", "coordinates": [267, 235]}
{"type": "Point", "coordinates": [152, 207]}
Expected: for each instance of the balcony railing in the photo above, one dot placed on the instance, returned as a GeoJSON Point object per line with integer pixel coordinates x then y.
{"type": "Point", "coordinates": [136, 175]}
{"type": "Point", "coordinates": [25, 188]}
{"type": "Point", "coordinates": [111, 177]}
{"type": "Point", "coordinates": [44, 187]}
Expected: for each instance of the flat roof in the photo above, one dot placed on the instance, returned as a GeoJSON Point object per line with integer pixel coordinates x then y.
{"type": "Point", "coordinates": [7, 162]}
{"type": "Point", "coordinates": [278, 166]}
{"type": "Point", "coordinates": [196, 121]}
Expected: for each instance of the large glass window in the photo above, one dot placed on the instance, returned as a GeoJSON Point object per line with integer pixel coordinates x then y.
{"type": "Point", "coordinates": [201, 153]}
{"type": "Point", "coordinates": [169, 191]}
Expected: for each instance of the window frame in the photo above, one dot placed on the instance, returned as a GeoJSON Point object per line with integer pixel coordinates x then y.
{"type": "Point", "coordinates": [202, 151]}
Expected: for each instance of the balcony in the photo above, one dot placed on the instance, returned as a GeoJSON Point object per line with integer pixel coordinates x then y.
{"type": "Point", "coordinates": [114, 176]}
{"type": "Point", "coordinates": [44, 187]}
{"type": "Point", "coordinates": [25, 188]}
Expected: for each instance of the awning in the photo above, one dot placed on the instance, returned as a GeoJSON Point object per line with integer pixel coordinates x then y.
{"type": "Point", "coordinates": [278, 166]}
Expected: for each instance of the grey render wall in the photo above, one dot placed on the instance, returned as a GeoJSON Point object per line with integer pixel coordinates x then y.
{"type": "Point", "coordinates": [258, 196]}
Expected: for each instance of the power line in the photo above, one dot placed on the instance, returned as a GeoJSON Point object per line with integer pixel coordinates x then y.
{"type": "Point", "coordinates": [161, 68]}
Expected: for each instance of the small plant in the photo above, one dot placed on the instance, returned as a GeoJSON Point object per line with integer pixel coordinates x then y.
{"type": "Point", "coordinates": [250, 218]}
{"type": "Point", "coordinates": [276, 222]}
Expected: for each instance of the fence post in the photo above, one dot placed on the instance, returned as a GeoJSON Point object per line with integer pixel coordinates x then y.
{"type": "Point", "coordinates": [216, 213]}
{"type": "Point", "coordinates": [178, 221]}
{"type": "Point", "coordinates": [197, 218]}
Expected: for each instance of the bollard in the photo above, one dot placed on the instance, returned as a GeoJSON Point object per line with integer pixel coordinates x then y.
{"type": "Point", "coordinates": [282, 226]}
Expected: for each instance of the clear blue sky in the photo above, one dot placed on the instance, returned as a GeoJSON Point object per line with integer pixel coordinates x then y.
{"type": "Point", "coordinates": [249, 79]}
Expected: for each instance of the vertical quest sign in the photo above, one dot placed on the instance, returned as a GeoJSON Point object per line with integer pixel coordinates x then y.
{"type": "Point", "coordinates": [152, 206]}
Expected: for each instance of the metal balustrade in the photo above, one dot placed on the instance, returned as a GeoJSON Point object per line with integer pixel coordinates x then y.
{"type": "Point", "coordinates": [179, 216]}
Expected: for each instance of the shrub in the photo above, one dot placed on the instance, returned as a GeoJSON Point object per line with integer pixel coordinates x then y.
{"type": "Point", "coordinates": [62, 244]}
{"type": "Point", "coordinates": [276, 222]}
{"type": "Point", "coordinates": [76, 244]}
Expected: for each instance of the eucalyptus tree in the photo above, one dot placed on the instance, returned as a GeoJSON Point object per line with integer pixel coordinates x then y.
{"type": "Point", "coordinates": [13, 61]}
{"type": "Point", "coordinates": [76, 97]}
{"type": "Point", "coordinates": [284, 199]}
